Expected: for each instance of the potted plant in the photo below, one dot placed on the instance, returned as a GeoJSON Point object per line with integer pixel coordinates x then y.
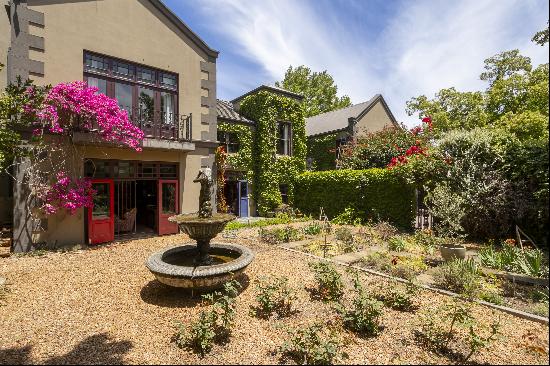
{"type": "Point", "coordinates": [452, 250]}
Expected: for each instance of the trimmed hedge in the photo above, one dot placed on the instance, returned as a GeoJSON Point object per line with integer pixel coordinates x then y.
{"type": "Point", "coordinates": [374, 193]}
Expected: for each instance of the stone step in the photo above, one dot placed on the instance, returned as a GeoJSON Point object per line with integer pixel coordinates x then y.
{"type": "Point", "coordinates": [295, 244]}
{"type": "Point", "coordinates": [4, 252]}
{"type": "Point", "coordinates": [5, 242]}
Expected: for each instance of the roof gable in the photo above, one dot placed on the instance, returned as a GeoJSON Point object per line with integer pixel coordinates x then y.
{"type": "Point", "coordinates": [273, 89]}
{"type": "Point", "coordinates": [184, 28]}
{"type": "Point", "coordinates": [338, 120]}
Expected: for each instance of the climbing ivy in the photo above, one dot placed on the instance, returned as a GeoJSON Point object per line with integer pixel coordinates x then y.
{"type": "Point", "coordinates": [269, 169]}
{"type": "Point", "coordinates": [322, 150]}
{"type": "Point", "coordinates": [241, 160]}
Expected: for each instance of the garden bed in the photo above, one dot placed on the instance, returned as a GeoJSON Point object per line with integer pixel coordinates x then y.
{"type": "Point", "coordinates": [103, 306]}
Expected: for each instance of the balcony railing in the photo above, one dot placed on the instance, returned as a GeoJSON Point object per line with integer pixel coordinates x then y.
{"type": "Point", "coordinates": [162, 125]}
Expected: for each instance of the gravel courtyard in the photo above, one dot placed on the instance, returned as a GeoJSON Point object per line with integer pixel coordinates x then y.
{"type": "Point", "coordinates": [104, 306]}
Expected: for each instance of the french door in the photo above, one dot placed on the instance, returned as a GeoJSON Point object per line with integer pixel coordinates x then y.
{"type": "Point", "coordinates": [167, 206]}
{"type": "Point", "coordinates": [101, 217]}
{"type": "Point", "coordinates": [242, 188]}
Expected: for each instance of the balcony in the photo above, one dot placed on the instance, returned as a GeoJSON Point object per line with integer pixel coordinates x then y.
{"type": "Point", "coordinates": [162, 125]}
{"type": "Point", "coordinates": [166, 131]}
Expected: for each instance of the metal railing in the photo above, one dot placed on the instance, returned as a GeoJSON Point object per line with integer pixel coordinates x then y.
{"type": "Point", "coordinates": [162, 125]}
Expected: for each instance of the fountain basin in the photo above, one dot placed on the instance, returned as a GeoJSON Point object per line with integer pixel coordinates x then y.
{"type": "Point", "coordinates": [175, 266]}
{"type": "Point", "coordinates": [199, 228]}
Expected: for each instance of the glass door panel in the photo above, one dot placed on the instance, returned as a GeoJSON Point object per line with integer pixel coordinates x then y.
{"type": "Point", "coordinates": [168, 206]}
{"type": "Point", "coordinates": [101, 216]}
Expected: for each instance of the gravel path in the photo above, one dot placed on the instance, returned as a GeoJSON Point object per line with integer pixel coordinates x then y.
{"type": "Point", "coordinates": [104, 306]}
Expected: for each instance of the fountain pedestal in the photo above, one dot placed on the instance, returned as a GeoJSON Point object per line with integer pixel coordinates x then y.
{"type": "Point", "coordinates": [200, 266]}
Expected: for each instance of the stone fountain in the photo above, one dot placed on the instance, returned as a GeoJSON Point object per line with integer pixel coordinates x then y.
{"type": "Point", "coordinates": [204, 265]}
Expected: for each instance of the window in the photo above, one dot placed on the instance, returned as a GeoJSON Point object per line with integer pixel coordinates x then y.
{"type": "Point", "coordinates": [230, 140]}
{"type": "Point", "coordinates": [101, 84]}
{"type": "Point", "coordinates": [96, 63]}
{"type": "Point", "coordinates": [123, 94]}
{"type": "Point", "coordinates": [283, 138]}
{"type": "Point", "coordinates": [147, 94]}
{"type": "Point", "coordinates": [283, 188]}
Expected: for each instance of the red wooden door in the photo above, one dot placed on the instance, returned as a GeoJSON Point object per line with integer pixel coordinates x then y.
{"type": "Point", "coordinates": [168, 206]}
{"type": "Point", "coordinates": [101, 217]}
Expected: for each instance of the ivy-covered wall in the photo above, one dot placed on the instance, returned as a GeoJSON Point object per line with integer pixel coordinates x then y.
{"type": "Point", "coordinates": [373, 193]}
{"type": "Point", "coordinates": [241, 160]}
{"type": "Point", "coordinates": [269, 169]}
{"type": "Point", "coordinates": [322, 150]}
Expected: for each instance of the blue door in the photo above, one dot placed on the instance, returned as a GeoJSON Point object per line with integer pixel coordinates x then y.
{"type": "Point", "coordinates": [243, 198]}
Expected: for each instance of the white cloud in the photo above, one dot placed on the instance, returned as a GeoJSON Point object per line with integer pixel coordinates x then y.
{"type": "Point", "coordinates": [424, 46]}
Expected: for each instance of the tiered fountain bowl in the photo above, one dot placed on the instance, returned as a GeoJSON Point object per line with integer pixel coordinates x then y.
{"type": "Point", "coordinates": [201, 266]}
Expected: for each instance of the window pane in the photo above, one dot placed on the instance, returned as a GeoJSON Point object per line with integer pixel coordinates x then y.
{"type": "Point", "coordinates": [102, 208]}
{"type": "Point", "coordinates": [168, 198]}
{"type": "Point", "coordinates": [123, 94]}
{"type": "Point", "coordinates": [146, 75]}
{"type": "Point", "coordinates": [123, 169]}
{"type": "Point", "coordinates": [146, 103]}
{"type": "Point", "coordinates": [168, 80]}
{"type": "Point", "coordinates": [167, 107]}
{"type": "Point", "coordinates": [123, 69]}
{"type": "Point", "coordinates": [101, 84]}
{"type": "Point", "coordinates": [96, 63]}
{"type": "Point", "coordinates": [168, 171]}
{"type": "Point", "coordinates": [221, 136]}
{"type": "Point", "coordinates": [232, 142]}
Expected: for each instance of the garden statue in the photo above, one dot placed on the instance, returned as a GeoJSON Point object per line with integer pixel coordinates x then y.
{"type": "Point", "coordinates": [205, 197]}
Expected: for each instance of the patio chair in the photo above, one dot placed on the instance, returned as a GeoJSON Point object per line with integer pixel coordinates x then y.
{"type": "Point", "coordinates": [127, 222]}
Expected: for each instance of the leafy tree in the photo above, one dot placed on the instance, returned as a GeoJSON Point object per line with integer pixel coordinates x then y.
{"type": "Point", "coordinates": [541, 37]}
{"type": "Point", "coordinates": [318, 89]}
{"type": "Point", "coordinates": [514, 87]}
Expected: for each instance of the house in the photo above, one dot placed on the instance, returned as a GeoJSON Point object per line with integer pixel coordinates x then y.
{"type": "Point", "coordinates": [263, 149]}
{"type": "Point", "coordinates": [159, 70]}
{"type": "Point", "coordinates": [327, 131]}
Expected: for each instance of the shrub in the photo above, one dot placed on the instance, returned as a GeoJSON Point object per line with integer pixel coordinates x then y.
{"type": "Point", "coordinates": [280, 235]}
{"type": "Point", "coordinates": [212, 324]}
{"type": "Point", "coordinates": [398, 299]}
{"type": "Point", "coordinates": [348, 217]}
{"type": "Point", "coordinates": [372, 194]}
{"type": "Point", "coordinates": [426, 240]}
{"type": "Point", "coordinates": [397, 244]}
{"type": "Point", "coordinates": [329, 282]}
{"type": "Point", "coordinates": [385, 230]}
{"type": "Point", "coordinates": [313, 345]}
{"type": "Point", "coordinates": [273, 296]}
{"type": "Point", "coordinates": [403, 267]}
{"type": "Point", "coordinates": [438, 330]}
{"type": "Point", "coordinates": [312, 229]}
{"type": "Point", "coordinates": [363, 315]}
{"type": "Point", "coordinates": [459, 275]}
{"type": "Point", "coordinates": [511, 258]}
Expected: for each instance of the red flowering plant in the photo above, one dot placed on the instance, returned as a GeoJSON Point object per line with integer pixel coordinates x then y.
{"type": "Point", "coordinates": [53, 114]}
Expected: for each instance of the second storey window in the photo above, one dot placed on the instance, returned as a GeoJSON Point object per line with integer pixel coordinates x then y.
{"type": "Point", "coordinates": [283, 138]}
{"type": "Point", "coordinates": [230, 140]}
{"type": "Point", "coordinates": [146, 93]}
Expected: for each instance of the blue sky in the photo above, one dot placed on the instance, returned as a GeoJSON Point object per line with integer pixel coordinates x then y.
{"type": "Point", "coordinates": [399, 48]}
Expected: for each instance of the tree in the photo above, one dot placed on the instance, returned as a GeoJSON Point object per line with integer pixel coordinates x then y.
{"type": "Point", "coordinates": [541, 37]}
{"type": "Point", "coordinates": [514, 87]}
{"type": "Point", "coordinates": [318, 89]}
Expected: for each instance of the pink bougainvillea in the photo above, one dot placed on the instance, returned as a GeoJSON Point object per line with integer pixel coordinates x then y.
{"type": "Point", "coordinates": [74, 105]}
{"type": "Point", "coordinates": [68, 194]}
{"type": "Point", "coordinates": [70, 107]}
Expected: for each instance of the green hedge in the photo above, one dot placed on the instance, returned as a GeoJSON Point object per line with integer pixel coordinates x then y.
{"type": "Point", "coordinates": [373, 193]}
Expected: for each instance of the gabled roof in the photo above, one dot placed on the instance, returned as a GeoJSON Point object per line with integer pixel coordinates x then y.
{"type": "Point", "coordinates": [226, 112]}
{"type": "Point", "coordinates": [339, 119]}
{"type": "Point", "coordinates": [159, 5]}
{"type": "Point", "coordinates": [273, 89]}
